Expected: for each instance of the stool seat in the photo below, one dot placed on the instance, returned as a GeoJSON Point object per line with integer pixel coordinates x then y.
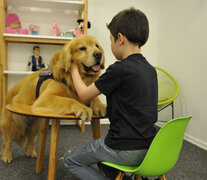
{"type": "Point", "coordinates": [26, 110]}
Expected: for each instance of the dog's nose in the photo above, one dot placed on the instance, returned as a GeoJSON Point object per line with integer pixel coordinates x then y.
{"type": "Point", "coordinates": [97, 55]}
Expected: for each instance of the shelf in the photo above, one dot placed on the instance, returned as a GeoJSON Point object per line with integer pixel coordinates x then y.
{"type": "Point", "coordinates": [21, 38]}
{"type": "Point", "coordinates": [18, 72]}
{"type": "Point", "coordinates": [46, 4]}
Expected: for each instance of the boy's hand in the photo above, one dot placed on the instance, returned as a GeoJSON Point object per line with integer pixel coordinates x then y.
{"type": "Point", "coordinates": [73, 67]}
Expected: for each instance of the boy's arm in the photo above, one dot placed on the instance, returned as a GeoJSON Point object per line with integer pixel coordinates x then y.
{"type": "Point", "coordinates": [85, 93]}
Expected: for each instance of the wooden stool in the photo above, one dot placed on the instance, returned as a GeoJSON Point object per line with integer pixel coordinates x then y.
{"type": "Point", "coordinates": [26, 110]}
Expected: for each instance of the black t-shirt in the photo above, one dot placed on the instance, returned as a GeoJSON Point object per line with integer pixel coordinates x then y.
{"type": "Point", "coordinates": [131, 90]}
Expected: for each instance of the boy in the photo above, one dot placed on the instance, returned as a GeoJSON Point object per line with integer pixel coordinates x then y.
{"type": "Point", "coordinates": [130, 86]}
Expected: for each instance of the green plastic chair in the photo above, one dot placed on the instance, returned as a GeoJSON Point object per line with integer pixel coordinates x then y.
{"type": "Point", "coordinates": [168, 90]}
{"type": "Point", "coordinates": [163, 152]}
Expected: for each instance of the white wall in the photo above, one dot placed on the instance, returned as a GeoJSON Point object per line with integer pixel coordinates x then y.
{"type": "Point", "coordinates": [176, 43]}
{"type": "Point", "coordinates": [101, 13]}
{"type": "Point", "coordinates": [182, 43]}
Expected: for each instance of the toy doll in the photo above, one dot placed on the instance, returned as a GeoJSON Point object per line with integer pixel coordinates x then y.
{"type": "Point", "coordinates": [36, 60]}
{"type": "Point", "coordinates": [34, 29]}
{"type": "Point", "coordinates": [80, 28]}
{"type": "Point", "coordinates": [13, 25]}
{"type": "Point", "coordinates": [55, 29]}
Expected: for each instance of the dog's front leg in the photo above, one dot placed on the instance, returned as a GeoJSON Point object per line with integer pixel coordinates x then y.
{"type": "Point", "coordinates": [62, 105]}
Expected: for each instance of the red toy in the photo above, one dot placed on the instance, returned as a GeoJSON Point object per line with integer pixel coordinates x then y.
{"type": "Point", "coordinates": [55, 29]}
{"type": "Point", "coordinates": [13, 25]}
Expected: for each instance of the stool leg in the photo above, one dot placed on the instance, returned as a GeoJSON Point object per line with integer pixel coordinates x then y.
{"type": "Point", "coordinates": [137, 177]}
{"type": "Point", "coordinates": [96, 128]}
{"type": "Point", "coordinates": [81, 126]}
{"type": "Point", "coordinates": [53, 149]}
{"type": "Point", "coordinates": [78, 123]}
{"type": "Point", "coordinates": [42, 143]}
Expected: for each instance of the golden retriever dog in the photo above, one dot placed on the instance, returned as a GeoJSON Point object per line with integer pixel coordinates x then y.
{"type": "Point", "coordinates": [56, 95]}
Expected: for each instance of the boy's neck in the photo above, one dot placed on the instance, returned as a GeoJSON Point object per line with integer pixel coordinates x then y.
{"type": "Point", "coordinates": [130, 50]}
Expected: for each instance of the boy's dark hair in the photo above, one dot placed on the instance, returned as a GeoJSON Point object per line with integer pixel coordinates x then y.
{"type": "Point", "coordinates": [133, 24]}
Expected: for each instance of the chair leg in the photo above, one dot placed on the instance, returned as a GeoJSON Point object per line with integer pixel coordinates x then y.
{"type": "Point", "coordinates": [120, 176]}
{"type": "Point", "coordinates": [101, 172]}
{"type": "Point", "coordinates": [162, 177]}
{"type": "Point", "coordinates": [137, 177]}
{"type": "Point", "coordinates": [172, 105]}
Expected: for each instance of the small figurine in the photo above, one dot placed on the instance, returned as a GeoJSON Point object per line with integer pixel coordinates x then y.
{"type": "Point", "coordinates": [36, 60]}
{"type": "Point", "coordinates": [80, 28]}
{"type": "Point", "coordinates": [67, 34]}
{"type": "Point", "coordinates": [13, 25]}
{"type": "Point", "coordinates": [55, 29]}
{"type": "Point", "coordinates": [34, 29]}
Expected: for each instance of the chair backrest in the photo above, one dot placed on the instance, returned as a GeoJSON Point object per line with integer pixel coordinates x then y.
{"type": "Point", "coordinates": [165, 148]}
{"type": "Point", "coordinates": [168, 88]}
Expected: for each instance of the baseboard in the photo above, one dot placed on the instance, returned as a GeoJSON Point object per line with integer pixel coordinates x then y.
{"type": "Point", "coordinates": [195, 141]}
{"type": "Point", "coordinates": [73, 122]}
{"type": "Point", "coordinates": [201, 144]}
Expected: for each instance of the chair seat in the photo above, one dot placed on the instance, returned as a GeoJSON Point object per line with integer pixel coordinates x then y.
{"type": "Point", "coordinates": [163, 152]}
{"type": "Point", "coordinates": [130, 169]}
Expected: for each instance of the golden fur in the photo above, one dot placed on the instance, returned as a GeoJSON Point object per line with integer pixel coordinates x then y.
{"type": "Point", "coordinates": [55, 96]}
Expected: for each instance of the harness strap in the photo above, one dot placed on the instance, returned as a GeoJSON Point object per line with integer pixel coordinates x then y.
{"type": "Point", "coordinates": [44, 75]}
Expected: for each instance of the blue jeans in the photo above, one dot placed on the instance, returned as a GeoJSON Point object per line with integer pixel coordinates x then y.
{"type": "Point", "coordinates": [79, 161]}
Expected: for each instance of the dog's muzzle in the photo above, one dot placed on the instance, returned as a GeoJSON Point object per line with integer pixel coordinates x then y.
{"type": "Point", "coordinates": [97, 66]}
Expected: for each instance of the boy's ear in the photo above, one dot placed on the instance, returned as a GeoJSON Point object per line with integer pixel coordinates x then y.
{"type": "Point", "coordinates": [121, 38]}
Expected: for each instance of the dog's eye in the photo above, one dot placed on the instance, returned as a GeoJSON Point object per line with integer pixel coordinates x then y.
{"type": "Point", "coordinates": [82, 48]}
{"type": "Point", "coordinates": [97, 46]}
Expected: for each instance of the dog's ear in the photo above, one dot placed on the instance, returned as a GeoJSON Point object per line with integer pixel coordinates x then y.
{"type": "Point", "coordinates": [65, 58]}
{"type": "Point", "coordinates": [103, 56]}
{"type": "Point", "coordinates": [103, 63]}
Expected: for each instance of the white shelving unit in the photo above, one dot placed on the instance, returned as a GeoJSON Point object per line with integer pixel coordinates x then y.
{"type": "Point", "coordinates": [18, 72]}
{"type": "Point", "coordinates": [47, 4]}
{"type": "Point", "coordinates": [10, 37]}
{"type": "Point", "coordinates": [34, 6]}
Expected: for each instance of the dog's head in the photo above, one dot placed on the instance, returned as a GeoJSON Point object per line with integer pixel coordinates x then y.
{"type": "Point", "coordinates": [86, 52]}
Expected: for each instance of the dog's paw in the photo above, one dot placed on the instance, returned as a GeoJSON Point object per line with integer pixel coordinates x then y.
{"type": "Point", "coordinates": [99, 109]}
{"type": "Point", "coordinates": [30, 151]}
{"type": "Point", "coordinates": [32, 154]}
{"type": "Point", "coordinates": [84, 113]}
{"type": "Point", "coordinates": [7, 158]}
